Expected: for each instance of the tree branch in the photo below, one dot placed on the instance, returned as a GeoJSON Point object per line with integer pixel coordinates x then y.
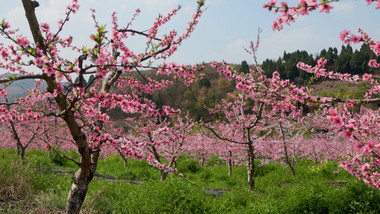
{"type": "Point", "coordinates": [374, 100]}
{"type": "Point", "coordinates": [33, 23]}
{"type": "Point", "coordinates": [11, 79]}
{"type": "Point", "coordinates": [137, 32]}
{"type": "Point", "coordinates": [64, 156]}
{"type": "Point", "coordinates": [222, 138]}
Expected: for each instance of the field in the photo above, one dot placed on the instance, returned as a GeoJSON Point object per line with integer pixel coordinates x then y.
{"type": "Point", "coordinates": [35, 186]}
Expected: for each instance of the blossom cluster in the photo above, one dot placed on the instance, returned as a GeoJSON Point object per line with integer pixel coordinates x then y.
{"type": "Point", "coordinates": [289, 14]}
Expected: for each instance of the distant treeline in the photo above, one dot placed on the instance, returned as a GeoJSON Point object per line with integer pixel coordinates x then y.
{"type": "Point", "coordinates": [345, 61]}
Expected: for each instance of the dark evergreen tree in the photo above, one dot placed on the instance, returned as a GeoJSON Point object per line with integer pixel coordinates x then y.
{"type": "Point", "coordinates": [280, 68]}
{"type": "Point", "coordinates": [268, 67]}
{"type": "Point", "coordinates": [244, 67]}
{"type": "Point", "coordinates": [323, 54]}
{"type": "Point", "coordinates": [204, 83]}
{"type": "Point", "coordinates": [291, 70]}
{"type": "Point", "coordinates": [356, 63]}
{"type": "Point", "coordinates": [342, 63]}
{"type": "Point", "coordinates": [331, 56]}
{"type": "Point", "coordinates": [285, 56]}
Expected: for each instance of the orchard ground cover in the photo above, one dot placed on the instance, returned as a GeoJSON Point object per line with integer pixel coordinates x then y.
{"type": "Point", "coordinates": [316, 188]}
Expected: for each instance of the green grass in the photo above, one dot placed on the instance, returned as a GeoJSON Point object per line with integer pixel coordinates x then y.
{"type": "Point", "coordinates": [310, 191]}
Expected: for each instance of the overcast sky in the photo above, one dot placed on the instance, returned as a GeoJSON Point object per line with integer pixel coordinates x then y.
{"type": "Point", "coordinates": [224, 29]}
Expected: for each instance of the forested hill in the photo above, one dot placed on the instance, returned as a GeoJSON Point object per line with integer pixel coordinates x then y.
{"type": "Point", "coordinates": [193, 99]}
{"type": "Point", "coordinates": [212, 88]}
{"type": "Point", "coordinates": [345, 61]}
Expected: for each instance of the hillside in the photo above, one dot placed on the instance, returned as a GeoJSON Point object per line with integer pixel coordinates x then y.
{"type": "Point", "coordinates": [17, 89]}
{"type": "Point", "coordinates": [207, 92]}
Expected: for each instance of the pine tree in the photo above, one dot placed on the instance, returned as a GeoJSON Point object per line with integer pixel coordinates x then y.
{"type": "Point", "coordinates": [244, 67]}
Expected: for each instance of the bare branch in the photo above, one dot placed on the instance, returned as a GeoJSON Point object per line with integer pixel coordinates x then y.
{"type": "Point", "coordinates": [15, 78]}
{"type": "Point", "coordinates": [374, 100]}
{"type": "Point", "coordinates": [9, 104]}
{"type": "Point", "coordinates": [136, 32]}
{"type": "Point", "coordinates": [222, 138]}
{"type": "Point", "coordinates": [258, 116]}
{"type": "Point", "coordinates": [140, 74]}
{"type": "Point", "coordinates": [64, 156]}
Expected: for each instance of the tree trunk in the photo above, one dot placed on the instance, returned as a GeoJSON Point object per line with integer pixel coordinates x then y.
{"type": "Point", "coordinates": [81, 179]}
{"type": "Point", "coordinates": [20, 148]}
{"type": "Point", "coordinates": [287, 159]}
{"type": "Point", "coordinates": [88, 158]}
{"type": "Point", "coordinates": [76, 196]}
{"type": "Point", "coordinates": [229, 163]}
{"type": "Point", "coordinates": [125, 161]}
{"type": "Point", "coordinates": [164, 174]}
{"type": "Point", "coordinates": [33, 23]}
{"type": "Point", "coordinates": [251, 167]}
{"type": "Point", "coordinates": [22, 155]}
{"type": "Point", "coordinates": [123, 156]}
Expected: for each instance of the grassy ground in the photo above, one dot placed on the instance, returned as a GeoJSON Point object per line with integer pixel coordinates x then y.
{"type": "Point", "coordinates": [32, 187]}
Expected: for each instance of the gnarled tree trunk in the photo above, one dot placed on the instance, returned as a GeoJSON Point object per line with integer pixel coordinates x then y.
{"type": "Point", "coordinates": [81, 179]}
{"type": "Point", "coordinates": [77, 194]}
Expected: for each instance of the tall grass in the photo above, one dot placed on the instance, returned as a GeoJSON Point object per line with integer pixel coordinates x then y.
{"type": "Point", "coordinates": [316, 188]}
{"type": "Point", "coordinates": [15, 178]}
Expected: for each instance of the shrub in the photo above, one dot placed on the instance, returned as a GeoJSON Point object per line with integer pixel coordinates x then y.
{"type": "Point", "coordinates": [214, 160]}
{"type": "Point", "coordinates": [189, 165]}
{"type": "Point", "coordinates": [262, 170]}
{"type": "Point", "coordinates": [57, 159]}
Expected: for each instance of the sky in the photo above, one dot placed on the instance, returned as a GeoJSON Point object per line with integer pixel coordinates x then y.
{"type": "Point", "coordinates": [225, 28]}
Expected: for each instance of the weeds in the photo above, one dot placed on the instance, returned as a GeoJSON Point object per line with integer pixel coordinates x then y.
{"type": "Point", "coordinates": [15, 179]}
{"type": "Point", "coordinates": [316, 188]}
